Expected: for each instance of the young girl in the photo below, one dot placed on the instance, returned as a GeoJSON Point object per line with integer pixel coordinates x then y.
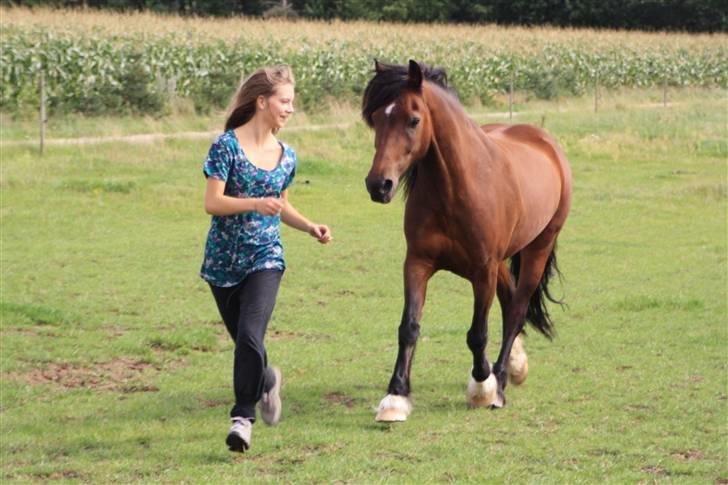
{"type": "Point", "coordinates": [248, 172]}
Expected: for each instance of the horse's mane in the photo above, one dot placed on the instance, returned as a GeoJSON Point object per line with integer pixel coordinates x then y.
{"type": "Point", "coordinates": [389, 81]}
{"type": "Point", "coordinates": [387, 84]}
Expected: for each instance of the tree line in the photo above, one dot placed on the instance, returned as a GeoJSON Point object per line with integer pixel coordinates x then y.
{"type": "Point", "coordinates": [671, 15]}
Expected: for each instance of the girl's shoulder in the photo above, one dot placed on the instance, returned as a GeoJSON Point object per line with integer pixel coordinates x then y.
{"type": "Point", "coordinates": [225, 145]}
{"type": "Point", "coordinates": [225, 139]}
{"type": "Point", "coordinates": [288, 150]}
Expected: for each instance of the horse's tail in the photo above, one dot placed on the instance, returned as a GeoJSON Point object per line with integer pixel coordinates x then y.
{"type": "Point", "coordinates": [537, 313]}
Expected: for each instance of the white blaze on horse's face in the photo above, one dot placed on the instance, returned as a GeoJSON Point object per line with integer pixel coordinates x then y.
{"type": "Point", "coordinates": [400, 133]}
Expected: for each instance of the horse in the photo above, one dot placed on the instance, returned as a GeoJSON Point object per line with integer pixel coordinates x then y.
{"type": "Point", "coordinates": [475, 198]}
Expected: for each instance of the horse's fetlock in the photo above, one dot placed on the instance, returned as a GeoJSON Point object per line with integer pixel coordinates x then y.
{"type": "Point", "coordinates": [480, 374]}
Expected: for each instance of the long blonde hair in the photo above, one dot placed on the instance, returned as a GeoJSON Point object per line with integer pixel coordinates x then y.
{"type": "Point", "coordinates": [263, 82]}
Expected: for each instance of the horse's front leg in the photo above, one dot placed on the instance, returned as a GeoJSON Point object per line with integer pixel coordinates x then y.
{"type": "Point", "coordinates": [483, 389]}
{"type": "Point", "coordinates": [396, 405]}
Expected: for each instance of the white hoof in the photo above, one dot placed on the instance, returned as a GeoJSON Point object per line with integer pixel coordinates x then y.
{"type": "Point", "coordinates": [394, 408]}
{"type": "Point", "coordinates": [517, 366]}
{"type": "Point", "coordinates": [483, 394]}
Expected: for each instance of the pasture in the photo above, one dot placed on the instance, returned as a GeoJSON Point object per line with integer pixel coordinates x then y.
{"type": "Point", "coordinates": [115, 365]}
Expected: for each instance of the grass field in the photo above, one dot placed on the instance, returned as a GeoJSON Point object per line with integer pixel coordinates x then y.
{"type": "Point", "coordinates": [115, 365]}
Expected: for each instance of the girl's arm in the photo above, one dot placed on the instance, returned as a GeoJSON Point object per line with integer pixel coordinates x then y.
{"type": "Point", "coordinates": [219, 204]}
{"type": "Point", "coordinates": [291, 217]}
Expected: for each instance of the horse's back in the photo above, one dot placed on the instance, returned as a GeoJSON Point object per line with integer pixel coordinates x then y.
{"type": "Point", "coordinates": [520, 139]}
{"type": "Point", "coordinates": [542, 173]}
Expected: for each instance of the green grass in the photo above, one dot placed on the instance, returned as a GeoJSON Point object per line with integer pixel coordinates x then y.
{"type": "Point", "coordinates": [115, 365]}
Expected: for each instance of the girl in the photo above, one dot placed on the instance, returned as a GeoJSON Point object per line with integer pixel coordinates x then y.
{"type": "Point", "coordinates": [248, 172]}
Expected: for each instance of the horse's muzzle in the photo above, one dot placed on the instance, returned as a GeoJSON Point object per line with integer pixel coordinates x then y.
{"type": "Point", "coordinates": [380, 190]}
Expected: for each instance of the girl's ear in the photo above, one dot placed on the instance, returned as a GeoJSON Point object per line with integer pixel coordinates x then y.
{"type": "Point", "coordinates": [260, 102]}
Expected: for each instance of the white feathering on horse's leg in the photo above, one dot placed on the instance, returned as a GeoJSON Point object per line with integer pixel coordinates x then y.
{"type": "Point", "coordinates": [483, 394]}
{"type": "Point", "coordinates": [517, 367]}
{"type": "Point", "coordinates": [394, 408]}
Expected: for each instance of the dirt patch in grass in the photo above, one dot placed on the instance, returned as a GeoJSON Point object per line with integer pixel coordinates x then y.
{"type": "Point", "coordinates": [114, 331]}
{"type": "Point", "coordinates": [61, 475]}
{"type": "Point", "coordinates": [119, 375]}
{"type": "Point", "coordinates": [340, 398]}
{"type": "Point", "coordinates": [281, 335]}
{"type": "Point", "coordinates": [214, 403]}
{"type": "Point", "coordinates": [37, 331]}
{"type": "Point", "coordinates": [654, 470]}
{"type": "Point", "coordinates": [688, 455]}
{"type": "Point", "coordinates": [284, 335]}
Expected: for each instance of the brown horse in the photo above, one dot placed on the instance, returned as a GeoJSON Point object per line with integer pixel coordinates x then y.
{"type": "Point", "coordinates": [476, 197]}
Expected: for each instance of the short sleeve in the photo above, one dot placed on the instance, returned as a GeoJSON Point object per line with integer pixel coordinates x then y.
{"type": "Point", "coordinates": [218, 162]}
{"type": "Point", "coordinates": [291, 174]}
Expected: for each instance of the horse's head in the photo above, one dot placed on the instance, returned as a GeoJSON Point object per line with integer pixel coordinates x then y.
{"type": "Point", "coordinates": [395, 108]}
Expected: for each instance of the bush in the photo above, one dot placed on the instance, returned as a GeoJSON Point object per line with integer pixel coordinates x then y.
{"type": "Point", "coordinates": [138, 89]}
{"type": "Point", "coordinates": [214, 90]}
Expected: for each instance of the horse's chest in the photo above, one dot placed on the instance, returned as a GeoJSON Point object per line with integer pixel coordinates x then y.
{"type": "Point", "coordinates": [459, 250]}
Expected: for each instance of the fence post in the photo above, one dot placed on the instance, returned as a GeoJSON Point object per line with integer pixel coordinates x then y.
{"type": "Point", "coordinates": [510, 96]}
{"type": "Point", "coordinates": [596, 90]}
{"type": "Point", "coordinates": [664, 89]}
{"type": "Point", "coordinates": [42, 110]}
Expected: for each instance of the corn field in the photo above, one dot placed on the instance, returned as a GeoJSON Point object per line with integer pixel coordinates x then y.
{"type": "Point", "coordinates": [102, 62]}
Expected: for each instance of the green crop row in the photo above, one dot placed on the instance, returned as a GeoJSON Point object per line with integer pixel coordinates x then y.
{"type": "Point", "coordinates": [138, 73]}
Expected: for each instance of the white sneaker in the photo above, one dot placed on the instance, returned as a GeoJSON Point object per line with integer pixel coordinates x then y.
{"type": "Point", "coordinates": [270, 404]}
{"type": "Point", "coordinates": [238, 439]}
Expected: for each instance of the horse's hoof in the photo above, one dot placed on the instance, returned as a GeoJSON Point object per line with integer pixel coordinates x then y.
{"type": "Point", "coordinates": [500, 400]}
{"type": "Point", "coordinates": [483, 394]}
{"type": "Point", "coordinates": [393, 408]}
{"type": "Point", "coordinates": [517, 378]}
{"type": "Point", "coordinates": [517, 367]}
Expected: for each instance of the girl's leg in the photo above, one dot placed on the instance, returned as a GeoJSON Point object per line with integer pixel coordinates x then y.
{"type": "Point", "coordinates": [256, 300]}
{"type": "Point", "coordinates": [227, 303]}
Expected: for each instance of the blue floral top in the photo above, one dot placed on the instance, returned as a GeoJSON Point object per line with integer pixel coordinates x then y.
{"type": "Point", "coordinates": [240, 244]}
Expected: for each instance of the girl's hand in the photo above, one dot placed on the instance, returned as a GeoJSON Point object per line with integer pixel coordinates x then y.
{"type": "Point", "coordinates": [269, 206]}
{"type": "Point", "coordinates": [321, 232]}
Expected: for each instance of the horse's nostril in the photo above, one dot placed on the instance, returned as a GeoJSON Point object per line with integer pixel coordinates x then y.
{"type": "Point", "coordinates": [386, 186]}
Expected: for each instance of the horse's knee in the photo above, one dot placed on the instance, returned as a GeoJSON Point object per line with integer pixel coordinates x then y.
{"type": "Point", "coordinates": [409, 331]}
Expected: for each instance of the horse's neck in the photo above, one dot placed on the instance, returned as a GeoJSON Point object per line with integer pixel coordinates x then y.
{"type": "Point", "coordinates": [448, 161]}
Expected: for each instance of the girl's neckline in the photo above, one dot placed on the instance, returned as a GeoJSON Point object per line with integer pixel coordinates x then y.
{"type": "Point", "coordinates": [245, 157]}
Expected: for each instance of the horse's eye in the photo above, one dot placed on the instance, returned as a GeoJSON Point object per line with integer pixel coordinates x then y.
{"type": "Point", "coordinates": [413, 122]}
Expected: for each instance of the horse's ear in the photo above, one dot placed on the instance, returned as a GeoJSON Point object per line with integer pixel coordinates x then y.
{"type": "Point", "coordinates": [414, 78]}
{"type": "Point", "coordinates": [377, 66]}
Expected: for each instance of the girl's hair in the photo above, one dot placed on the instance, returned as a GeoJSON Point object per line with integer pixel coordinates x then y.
{"type": "Point", "coordinates": [263, 82]}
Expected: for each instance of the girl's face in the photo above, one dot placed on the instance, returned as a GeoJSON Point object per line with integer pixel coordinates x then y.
{"type": "Point", "coordinates": [278, 107]}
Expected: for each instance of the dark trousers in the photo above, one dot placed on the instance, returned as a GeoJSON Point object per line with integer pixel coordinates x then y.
{"type": "Point", "coordinates": [246, 309]}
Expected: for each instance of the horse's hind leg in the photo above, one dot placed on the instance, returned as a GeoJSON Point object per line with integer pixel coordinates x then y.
{"type": "Point", "coordinates": [396, 405]}
{"type": "Point", "coordinates": [533, 262]}
{"type": "Point", "coordinates": [482, 387]}
{"type": "Point", "coordinates": [517, 367]}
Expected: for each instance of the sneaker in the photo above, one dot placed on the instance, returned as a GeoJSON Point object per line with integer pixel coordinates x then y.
{"type": "Point", "coordinates": [238, 439]}
{"type": "Point", "coordinates": [270, 404]}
